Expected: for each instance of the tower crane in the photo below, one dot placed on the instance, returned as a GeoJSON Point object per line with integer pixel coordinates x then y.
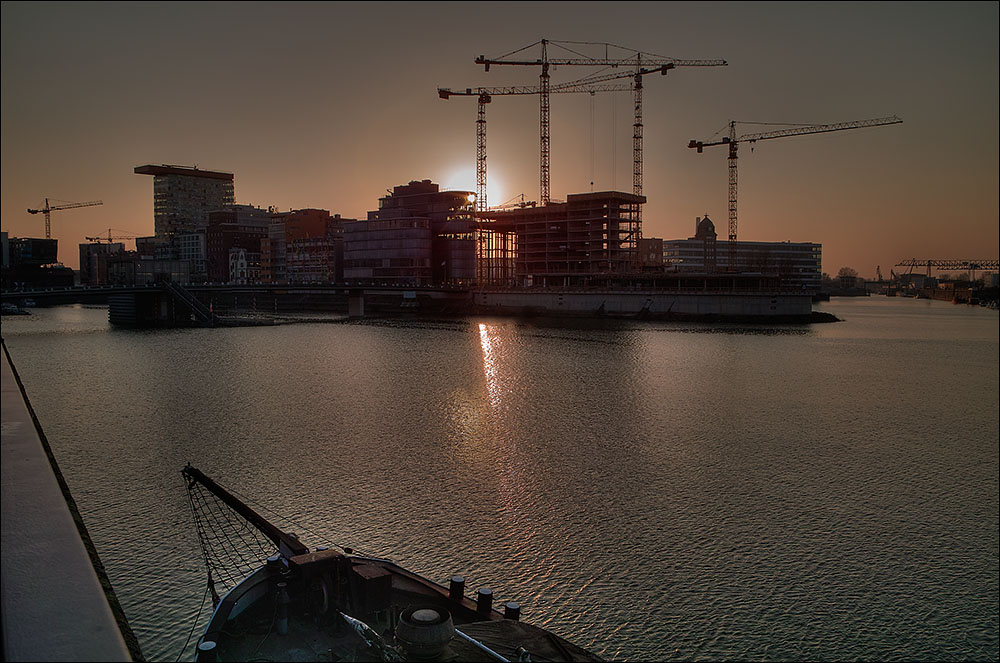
{"type": "Point", "coordinates": [733, 141]}
{"type": "Point", "coordinates": [485, 95]}
{"type": "Point", "coordinates": [638, 61]}
{"type": "Point", "coordinates": [110, 238]}
{"type": "Point", "coordinates": [48, 209]}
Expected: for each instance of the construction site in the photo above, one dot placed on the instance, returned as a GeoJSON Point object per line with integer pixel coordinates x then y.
{"type": "Point", "coordinates": [594, 241]}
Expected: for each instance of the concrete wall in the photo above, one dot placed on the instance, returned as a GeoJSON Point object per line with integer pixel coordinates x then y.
{"type": "Point", "coordinates": [656, 304]}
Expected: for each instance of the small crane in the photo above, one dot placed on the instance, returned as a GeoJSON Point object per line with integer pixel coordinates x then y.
{"type": "Point", "coordinates": [733, 141]}
{"type": "Point", "coordinates": [47, 209]}
{"type": "Point", "coordinates": [110, 238]}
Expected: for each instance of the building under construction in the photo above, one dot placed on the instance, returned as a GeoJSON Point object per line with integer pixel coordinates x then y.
{"type": "Point", "coordinates": [587, 241]}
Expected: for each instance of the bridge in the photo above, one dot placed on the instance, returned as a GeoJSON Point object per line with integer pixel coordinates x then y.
{"type": "Point", "coordinates": [964, 265]}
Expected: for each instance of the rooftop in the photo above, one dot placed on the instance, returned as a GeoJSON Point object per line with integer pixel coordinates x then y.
{"type": "Point", "coordinates": [187, 171]}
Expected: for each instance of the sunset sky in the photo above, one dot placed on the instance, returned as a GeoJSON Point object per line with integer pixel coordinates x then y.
{"type": "Point", "coordinates": [329, 105]}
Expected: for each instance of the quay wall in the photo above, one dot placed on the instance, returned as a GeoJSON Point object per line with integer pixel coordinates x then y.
{"type": "Point", "coordinates": [55, 605]}
{"type": "Point", "coordinates": [653, 304]}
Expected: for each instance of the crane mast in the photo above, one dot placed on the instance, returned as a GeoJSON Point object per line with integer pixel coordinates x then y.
{"type": "Point", "coordinates": [545, 62]}
{"type": "Point", "coordinates": [733, 141]}
{"type": "Point", "coordinates": [47, 210]}
{"type": "Point", "coordinates": [485, 95]}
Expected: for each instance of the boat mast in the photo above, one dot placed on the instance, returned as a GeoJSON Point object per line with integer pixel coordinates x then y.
{"type": "Point", "coordinates": [287, 543]}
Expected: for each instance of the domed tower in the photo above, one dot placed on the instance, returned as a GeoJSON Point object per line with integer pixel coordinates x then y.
{"type": "Point", "coordinates": [705, 231]}
{"type": "Point", "coordinates": [704, 228]}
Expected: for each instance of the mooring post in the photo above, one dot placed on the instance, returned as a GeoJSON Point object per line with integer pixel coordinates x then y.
{"type": "Point", "coordinates": [356, 304]}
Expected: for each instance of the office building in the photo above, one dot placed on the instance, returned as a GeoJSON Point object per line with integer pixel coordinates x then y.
{"type": "Point", "coordinates": [419, 235]}
{"type": "Point", "coordinates": [239, 227]}
{"type": "Point", "coordinates": [797, 265]}
{"type": "Point", "coordinates": [94, 261]}
{"type": "Point", "coordinates": [314, 246]}
{"type": "Point", "coordinates": [182, 199]}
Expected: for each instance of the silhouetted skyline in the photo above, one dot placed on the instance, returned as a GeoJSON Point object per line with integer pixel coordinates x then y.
{"type": "Point", "coordinates": [329, 105]}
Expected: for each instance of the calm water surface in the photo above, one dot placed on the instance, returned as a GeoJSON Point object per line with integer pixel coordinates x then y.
{"type": "Point", "coordinates": [648, 490]}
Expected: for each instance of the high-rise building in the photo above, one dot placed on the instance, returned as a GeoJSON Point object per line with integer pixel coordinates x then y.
{"type": "Point", "coordinates": [183, 197]}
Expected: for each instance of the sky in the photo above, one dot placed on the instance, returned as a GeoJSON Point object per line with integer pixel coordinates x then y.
{"type": "Point", "coordinates": [328, 105]}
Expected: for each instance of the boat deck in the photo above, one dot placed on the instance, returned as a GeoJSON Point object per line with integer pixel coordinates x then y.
{"type": "Point", "coordinates": [315, 638]}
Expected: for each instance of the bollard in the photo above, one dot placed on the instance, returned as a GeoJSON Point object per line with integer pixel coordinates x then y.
{"type": "Point", "coordinates": [512, 611]}
{"type": "Point", "coordinates": [484, 601]}
{"type": "Point", "coordinates": [206, 651]}
{"type": "Point", "coordinates": [456, 589]}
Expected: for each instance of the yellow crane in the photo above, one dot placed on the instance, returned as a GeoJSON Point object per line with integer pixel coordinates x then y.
{"type": "Point", "coordinates": [733, 141]}
{"type": "Point", "coordinates": [47, 209]}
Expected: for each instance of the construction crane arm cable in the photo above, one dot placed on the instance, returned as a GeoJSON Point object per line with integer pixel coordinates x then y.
{"type": "Point", "coordinates": [800, 130]}
{"type": "Point", "coordinates": [53, 208]}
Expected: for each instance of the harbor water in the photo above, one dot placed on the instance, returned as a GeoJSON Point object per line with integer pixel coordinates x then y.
{"type": "Point", "coordinates": [648, 490]}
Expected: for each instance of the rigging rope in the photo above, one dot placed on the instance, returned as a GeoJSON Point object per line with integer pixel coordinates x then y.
{"type": "Point", "coordinates": [231, 547]}
{"type": "Point", "coordinates": [194, 624]}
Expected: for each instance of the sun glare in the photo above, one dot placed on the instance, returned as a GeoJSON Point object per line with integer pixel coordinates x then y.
{"type": "Point", "coordinates": [464, 179]}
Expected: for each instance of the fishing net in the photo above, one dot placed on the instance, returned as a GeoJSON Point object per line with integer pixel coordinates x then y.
{"type": "Point", "coordinates": [231, 546]}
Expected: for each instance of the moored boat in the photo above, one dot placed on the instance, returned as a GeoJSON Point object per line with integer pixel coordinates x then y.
{"type": "Point", "coordinates": [327, 604]}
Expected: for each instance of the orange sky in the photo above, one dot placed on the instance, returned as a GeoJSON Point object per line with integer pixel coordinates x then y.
{"type": "Point", "coordinates": [328, 105]}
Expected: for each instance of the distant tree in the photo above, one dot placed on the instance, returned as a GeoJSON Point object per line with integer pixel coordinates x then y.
{"type": "Point", "coordinates": [848, 277]}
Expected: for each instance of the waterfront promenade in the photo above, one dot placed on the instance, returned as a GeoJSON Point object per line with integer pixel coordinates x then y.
{"type": "Point", "coordinates": [54, 607]}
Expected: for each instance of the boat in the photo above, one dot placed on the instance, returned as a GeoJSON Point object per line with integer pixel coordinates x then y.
{"type": "Point", "coordinates": [12, 309]}
{"type": "Point", "coordinates": [298, 603]}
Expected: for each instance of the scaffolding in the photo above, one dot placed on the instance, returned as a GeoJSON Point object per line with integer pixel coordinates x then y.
{"type": "Point", "coordinates": [495, 252]}
{"type": "Point", "coordinates": [585, 241]}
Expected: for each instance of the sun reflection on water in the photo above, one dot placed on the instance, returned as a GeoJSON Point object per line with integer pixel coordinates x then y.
{"type": "Point", "coordinates": [490, 360]}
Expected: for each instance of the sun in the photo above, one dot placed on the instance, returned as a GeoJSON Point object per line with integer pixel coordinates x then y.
{"type": "Point", "coordinates": [464, 179]}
